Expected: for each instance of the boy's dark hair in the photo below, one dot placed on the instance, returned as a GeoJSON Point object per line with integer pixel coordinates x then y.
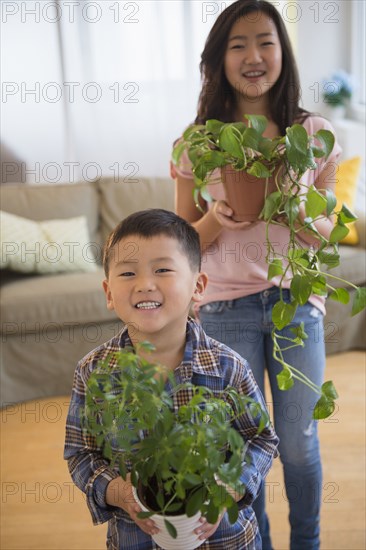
{"type": "Point", "coordinates": [217, 99]}
{"type": "Point", "coordinates": [152, 222]}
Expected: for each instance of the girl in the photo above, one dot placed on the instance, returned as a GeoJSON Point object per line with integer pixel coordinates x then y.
{"type": "Point", "coordinates": [248, 67]}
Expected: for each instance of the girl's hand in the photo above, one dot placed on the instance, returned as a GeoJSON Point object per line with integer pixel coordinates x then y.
{"type": "Point", "coordinates": [206, 530]}
{"type": "Point", "coordinates": [223, 214]}
{"type": "Point", "coordinates": [119, 493]}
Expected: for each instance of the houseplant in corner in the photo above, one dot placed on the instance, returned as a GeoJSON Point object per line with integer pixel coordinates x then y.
{"type": "Point", "coordinates": [337, 94]}
{"type": "Point", "coordinates": [278, 165]}
{"type": "Point", "coordinates": [182, 460]}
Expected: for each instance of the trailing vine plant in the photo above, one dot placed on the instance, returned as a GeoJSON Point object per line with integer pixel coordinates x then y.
{"type": "Point", "coordinates": [242, 146]}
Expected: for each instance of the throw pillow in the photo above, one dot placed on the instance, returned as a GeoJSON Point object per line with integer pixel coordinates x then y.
{"type": "Point", "coordinates": [50, 246]}
{"type": "Point", "coordinates": [345, 192]}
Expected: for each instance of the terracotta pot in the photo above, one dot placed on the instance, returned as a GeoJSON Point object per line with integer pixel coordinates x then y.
{"type": "Point", "coordinates": [184, 525]}
{"type": "Point", "coordinates": [245, 193]}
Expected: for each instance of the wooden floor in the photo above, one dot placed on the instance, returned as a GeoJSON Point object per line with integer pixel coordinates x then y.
{"type": "Point", "coordinates": [41, 509]}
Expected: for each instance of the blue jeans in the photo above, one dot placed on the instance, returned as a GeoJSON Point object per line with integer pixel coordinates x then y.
{"type": "Point", "coordinates": [245, 325]}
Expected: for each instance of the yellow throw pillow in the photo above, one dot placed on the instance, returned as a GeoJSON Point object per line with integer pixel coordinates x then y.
{"type": "Point", "coordinates": [345, 192]}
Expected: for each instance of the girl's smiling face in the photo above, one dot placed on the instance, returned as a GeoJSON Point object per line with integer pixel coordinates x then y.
{"type": "Point", "coordinates": [253, 58]}
{"type": "Point", "coordinates": [151, 285]}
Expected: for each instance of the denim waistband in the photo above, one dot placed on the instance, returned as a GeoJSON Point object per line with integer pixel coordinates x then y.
{"type": "Point", "coordinates": [270, 295]}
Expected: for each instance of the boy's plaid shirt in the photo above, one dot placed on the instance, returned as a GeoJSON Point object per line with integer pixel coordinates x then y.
{"type": "Point", "coordinates": [207, 363]}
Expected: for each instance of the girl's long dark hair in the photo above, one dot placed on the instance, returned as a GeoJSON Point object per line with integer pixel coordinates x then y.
{"type": "Point", "coordinates": [217, 98]}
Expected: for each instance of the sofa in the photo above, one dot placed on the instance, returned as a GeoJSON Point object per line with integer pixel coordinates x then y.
{"type": "Point", "coordinates": [51, 319]}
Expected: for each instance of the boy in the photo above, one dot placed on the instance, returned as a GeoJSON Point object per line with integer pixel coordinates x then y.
{"type": "Point", "coordinates": [152, 264]}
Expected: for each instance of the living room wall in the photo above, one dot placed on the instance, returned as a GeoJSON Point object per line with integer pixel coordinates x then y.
{"type": "Point", "coordinates": [91, 88]}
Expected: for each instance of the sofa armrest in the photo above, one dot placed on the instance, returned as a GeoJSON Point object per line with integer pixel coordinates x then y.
{"type": "Point", "coordinates": [361, 228]}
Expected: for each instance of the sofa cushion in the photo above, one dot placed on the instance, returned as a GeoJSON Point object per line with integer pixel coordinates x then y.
{"type": "Point", "coordinates": [47, 202]}
{"type": "Point", "coordinates": [119, 199]}
{"type": "Point", "coordinates": [40, 304]}
{"type": "Point", "coordinates": [352, 266]}
{"type": "Point", "coordinates": [50, 246]}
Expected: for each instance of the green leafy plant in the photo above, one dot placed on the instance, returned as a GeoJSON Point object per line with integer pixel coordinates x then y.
{"type": "Point", "coordinates": [183, 460]}
{"type": "Point", "coordinates": [242, 146]}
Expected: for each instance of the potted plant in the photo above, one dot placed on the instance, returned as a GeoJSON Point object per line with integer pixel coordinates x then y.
{"type": "Point", "coordinates": [183, 461]}
{"type": "Point", "coordinates": [337, 93]}
{"type": "Point", "coordinates": [280, 163]}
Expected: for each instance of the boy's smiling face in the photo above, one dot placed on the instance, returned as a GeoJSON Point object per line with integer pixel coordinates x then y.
{"type": "Point", "coordinates": [151, 286]}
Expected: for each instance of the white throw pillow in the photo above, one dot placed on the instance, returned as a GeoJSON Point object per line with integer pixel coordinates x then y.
{"type": "Point", "coordinates": [50, 246]}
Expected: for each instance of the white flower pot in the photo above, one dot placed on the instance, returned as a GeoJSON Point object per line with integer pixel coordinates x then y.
{"type": "Point", "coordinates": [185, 526]}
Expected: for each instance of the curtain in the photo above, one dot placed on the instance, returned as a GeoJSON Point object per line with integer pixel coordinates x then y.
{"type": "Point", "coordinates": [100, 88]}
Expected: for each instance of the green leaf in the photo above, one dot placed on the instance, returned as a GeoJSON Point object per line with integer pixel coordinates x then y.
{"type": "Point", "coordinates": [212, 513]}
{"type": "Point", "coordinates": [160, 500]}
{"type": "Point", "coordinates": [328, 389]}
{"type": "Point", "coordinates": [233, 512]}
{"type": "Point", "coordinates": [328, 258]}
{"type": "Point", "coordinates": [171, 529]}
{"type": "Point", "coordinates": [323, 408]}
{"type": "Point", "coordinates": [275, 268]}
{"type": "Point", "coordinates": [340, 295]}
{"type": "Point", "coordinates": [315, 204]}
{"type": "Point", "coordinates": [229, 141]}
{"type": "Point", "coordinates": [282, 314]}
{"type": "Point", "coordinates": [251, 139]}
{"type": "Point", "coordinates": [145, 515]}
{"type": "Point", "coordinates": [177, 152]}
{"type": "Point", "coordinates": [266, 147]}
{"type": "Point", "coordinates": [291, 208]}
{"type": "Point", "coordinates": [271, 205]}
{"type": "Point", "coordinates": [285, 380]}
{"type": "Point", "coordinates": [319, 285]}
{"type": "Point", "coordinates": [192, 479]}
{"type": "Point", "coordinates": [192, 130]}
{"type": "Point", "coordinates": [297, 138]}
{"type": "Point", "coordinates": [298, 150]}
{"type": "Point", "coordinates": [327, 141]}
{"type": "Point", "coordinates": [299, 331]}
{"type": "Point", "coordinates": [205, 194]}
{"type": "Point", "coordinates": [122, 468]}
{"type": "Point", "coordinates": [195, 501]}
{"type": "Point", "coordinates": [338, 233]}
{"type": "Point", "coordinates": [331, 201]}
{"type": "Point", "coordinates": [214, 126]}
{"type": "Point", "coordinates": [259, 170]}
{"type": "Point", "coordinates": [258, 122]}
{"type": "Point", "coordinates": [301, 288]}
{"type": "Point", "coordinates": [346, 215]}
{"type": "Point", "coordinates": [359, 302]}
{"type": "Point", "coordinates": [317, 151]}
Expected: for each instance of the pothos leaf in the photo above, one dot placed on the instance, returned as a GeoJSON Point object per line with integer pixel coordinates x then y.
{"type": "Point", "coordinates": [340, 295]}
{"type": "Point", "coordinates": [301, 288]}
{"type": "Point", "coordinates": [285, 380]}
{"type": "Point", "coordinates": [328, 389]}
{"type": "Point", "coordinates": [327, 140]}
{"type": "Point", "coordinates": [338, 233]}
{"type": "Point", "coordinates": [359, 302]}
{"type": "Point", "coordinates": [258, 122]}
{"type": "Point", "coordinates": [282, 314]}
{"type": "Point", "coordinates": [323, 408]}
{"type": "Point", "coordinates": [171, 529]}
{"type": "Point", "coordinates": [275, 268]}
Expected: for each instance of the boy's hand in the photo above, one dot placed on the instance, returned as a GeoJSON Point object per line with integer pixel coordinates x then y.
{"type": "Point", "coordinates": [119, 493]}
{"type": "Point", "coordinates": [206, 530]}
